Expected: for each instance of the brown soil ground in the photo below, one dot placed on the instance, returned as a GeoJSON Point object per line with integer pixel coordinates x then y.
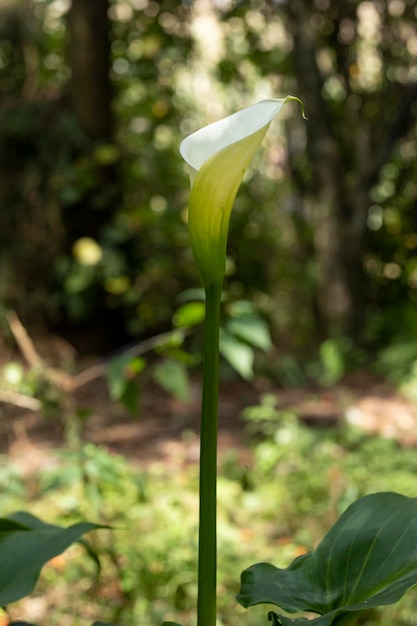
{"type": "Point", "coordinates": [167, 429]}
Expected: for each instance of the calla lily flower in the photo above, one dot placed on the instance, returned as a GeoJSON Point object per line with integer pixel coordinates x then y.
{"type": "Point", "coordinates": [218, 156]}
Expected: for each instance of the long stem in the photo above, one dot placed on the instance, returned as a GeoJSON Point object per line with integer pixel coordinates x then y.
{"type": "Point", "coordinates": [207, 544]}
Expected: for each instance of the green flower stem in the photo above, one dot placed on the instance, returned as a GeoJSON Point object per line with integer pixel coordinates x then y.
{"type": "Point", "coordinates": [207, 545]}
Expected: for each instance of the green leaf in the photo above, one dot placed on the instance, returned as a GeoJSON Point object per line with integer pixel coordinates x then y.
{"type": "Point", "coordinates": [27, 520]}
{"type": "Point", "coordinates": [367, 559]}
{"type": "Point", "coordinates": [195, 294]}
{"type": "Point", "coordinates": [252, 329]}
{"type": "Point", "coordinates": [237, 353]}
{"type": "Point", "coordinates": [173, 377]}
{"type": "Point", "coordinates": [189, 314]}
{"type": "Point", "coordinates": [26, 547]}
{"type": "Point", "coordinates": [8, 524]}
{"type": "Point", "coordinates": [130, 397]}
{"type": "Point", "coordinates": [122, 378]}
{"type": "Point", "coordinates": [332, 362]}
{"type": "Point", "coordinates": [120, 373]}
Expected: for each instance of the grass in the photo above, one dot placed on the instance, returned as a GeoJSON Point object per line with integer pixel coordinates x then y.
{"type": "Point", "coordinates": [278, 507]}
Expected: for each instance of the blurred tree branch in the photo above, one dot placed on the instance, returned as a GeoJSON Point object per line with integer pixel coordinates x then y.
{"type": "Point", "coordinates": [64, 382]}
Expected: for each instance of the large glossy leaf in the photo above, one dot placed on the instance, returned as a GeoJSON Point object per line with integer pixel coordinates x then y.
{"type": "Point", "coordinates": [367, 559]}
{"type": "Point", "coordinates": [26, 544]}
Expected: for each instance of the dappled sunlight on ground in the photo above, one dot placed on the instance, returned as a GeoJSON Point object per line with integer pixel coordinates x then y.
{"type": "Point", "coordinates": [166, 429]}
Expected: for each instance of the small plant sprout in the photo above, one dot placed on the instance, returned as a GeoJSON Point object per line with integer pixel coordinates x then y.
{"type": "Point", "coordinates": [218, 157]}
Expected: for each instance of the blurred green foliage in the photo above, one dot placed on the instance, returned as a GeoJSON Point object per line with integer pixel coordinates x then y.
{"type": "Point", "coordinates": [93, 233]}
{"type": "Point", "coordinates": [274, 507]}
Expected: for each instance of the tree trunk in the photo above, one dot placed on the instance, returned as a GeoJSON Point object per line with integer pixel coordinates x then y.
{"type": "Point", "coordinates": [90, 93]}
{"type": "Point", "coordinates": [340, 207]}
{"type": "Point", "coordinates": [89, 58]}
{"type": "Point", "coordinates": [334, 298]}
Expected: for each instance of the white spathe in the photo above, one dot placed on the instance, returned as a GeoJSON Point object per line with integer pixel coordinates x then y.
{"type": "Point", "coordinates": [203, 143]}
{"type": "Point", "coordinates": [218, 156]}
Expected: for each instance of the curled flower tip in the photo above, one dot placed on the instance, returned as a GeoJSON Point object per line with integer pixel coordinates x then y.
{"type": "Point", "coordinates": [300, 102]}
